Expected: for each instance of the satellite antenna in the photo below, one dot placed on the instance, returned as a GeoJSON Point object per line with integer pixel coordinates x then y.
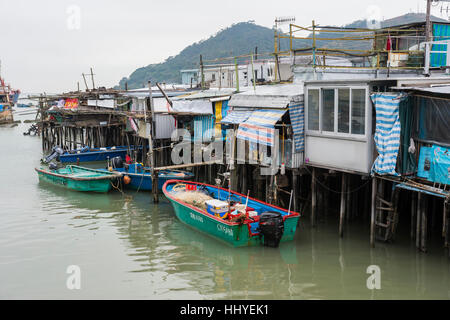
{"type": "Point", "coordinates": [284, 20]}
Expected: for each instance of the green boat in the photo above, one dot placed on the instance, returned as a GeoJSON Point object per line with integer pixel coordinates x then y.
{"type": "Point", "coordinates": [254, 223]}
{"type": "Point", "coordinates": [79, 178]}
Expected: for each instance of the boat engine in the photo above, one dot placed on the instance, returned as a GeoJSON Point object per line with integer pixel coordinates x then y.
{"type": "Point", "coordinates": [117, 162]}
{"type": "Point", "coordinates": [56, 152]}
{"type": "Point", "coordinates": [52, 166]}
{"type": "Point", "coordinates": [271, 227]}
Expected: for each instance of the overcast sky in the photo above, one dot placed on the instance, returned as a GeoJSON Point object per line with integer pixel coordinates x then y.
{"type": "Point", "coordinates": [47, 45]}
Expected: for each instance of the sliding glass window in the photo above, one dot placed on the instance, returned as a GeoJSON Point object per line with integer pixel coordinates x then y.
{"type": "Point", "coordinates": [313, 109]}
{"type": "Point", "coordinates": [358, 111]}
{"type": "Point", "coordinates": [344, 110]}
{"type": "Point", "coordinates": [328, 110]}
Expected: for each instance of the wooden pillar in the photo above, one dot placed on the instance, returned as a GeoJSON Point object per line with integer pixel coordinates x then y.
{"type": "Point", "coordinates": [295, 190]}
{"type": "Point", "coordinates": [342, 208]}
{"type": "Point", "coordinates": [244, 179]}
{"type": "Point", "coordinates": [313, 198]}
{"type": "Point", "coordinates": [394, 222]}
{"type": "Point", "coordinates": [423, 245]}
{"type": "Point", "coordinates": [419, 216]}
{"type": "Point", "coordinates": [373, 212]}
{"type": "Point", "coordinates": [447, 226]}
{"type": "Point", "coordinates": [413, 215]}
{"type": "Point", "coordinates": [348, 195]}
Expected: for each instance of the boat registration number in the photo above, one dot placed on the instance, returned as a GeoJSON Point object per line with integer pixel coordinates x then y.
{"type": "Point", "coordinates": [225, 230]}
{"type": "Point", "coordinates": [195, 217]}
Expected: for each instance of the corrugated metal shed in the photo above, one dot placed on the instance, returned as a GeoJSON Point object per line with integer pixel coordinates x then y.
{"type": "Point", "coordinates": [435, 90]}
{"type": "Point", "coordinates": [269, 96]}
{"type": "Point", "coordinates": [208, 94]}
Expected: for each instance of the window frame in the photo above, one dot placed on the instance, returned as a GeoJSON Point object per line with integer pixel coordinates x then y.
{"type": "Point", "coordinates": [336, 133]}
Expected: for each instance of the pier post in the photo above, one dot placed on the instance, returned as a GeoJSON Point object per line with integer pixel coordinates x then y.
{"type": "Point", "coordinates": [447, 227]}
{"type": "Point", "coordinates": [444, 219]}
{"type": "Point", "coordinates": [413, 215]}
{"type": "Point", "coordinates": [419, 216]}
{"type": "Point", "coordinates": [343, 204]}
{"type": "Point", "coordinates": [313, 198]}
{"type": "Point", "coordinates": [373, 212]}
{"type": "Point", "coordinates": [348, 195]}
{"type": "Point", "coordinates": [423, 246]}
{"type": "Point", "coordinates": [295, 188]}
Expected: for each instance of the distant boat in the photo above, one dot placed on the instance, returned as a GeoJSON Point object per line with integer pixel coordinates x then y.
{"type": "Point", "coordinates": [23, 105]}
{"type": "Point", "coordinates": [87, 154]}
{"type": "Point", "coordinates": [8, 97]}
{"type": "Point", "coordinates": [79, 178]}
{"type": "Point", "coordinates": [140, 177]}
{"type": "Point", "coordinates": [223, 217]}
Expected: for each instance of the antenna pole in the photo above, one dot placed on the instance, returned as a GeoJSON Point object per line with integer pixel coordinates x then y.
{"type": "Point", "coordinates": [92, 76]}
{"type": "Point", "coordinates": [428, 22]}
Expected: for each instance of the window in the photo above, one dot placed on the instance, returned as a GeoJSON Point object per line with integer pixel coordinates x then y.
{"type": "Point", "coordinates": [344, 110]}
{"type": "Point", "coordinates": [328, 110]}
{"type": "Point", "coordinates": [337, 110]}
{"type": "Point", "coordinates": [358, 111]}
{"type": "Point", "coordinates": [313, 109]}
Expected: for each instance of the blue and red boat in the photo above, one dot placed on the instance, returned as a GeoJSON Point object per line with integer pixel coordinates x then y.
{"type": "Point", "coordinates": [87, 154]}
{"type": "Point", "coordinates": [136, 176]}
{"type": "Point", "coordinates": [254, 223]}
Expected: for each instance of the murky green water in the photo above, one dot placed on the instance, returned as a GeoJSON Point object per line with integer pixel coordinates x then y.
{"type": "Point", "coordinates": [132, 249]}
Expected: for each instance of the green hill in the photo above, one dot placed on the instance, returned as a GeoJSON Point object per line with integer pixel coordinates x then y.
{"type": "Point", "coordinates": [240, 39]}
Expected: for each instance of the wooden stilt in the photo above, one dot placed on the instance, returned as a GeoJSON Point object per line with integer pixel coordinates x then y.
{"type": "Point", "coordinates": [444, 218]}
{"type": "Point", "coordinates": [373, 212]}
{"type": "Point", "coordinates": [418, 221]}
{"type": "Point", "coordinates": [343, 206]}
{"type": "Point", "coordinates": [394, 222]}
{"type": "Point", "coordinates": [447, 227]}
{"type": "Point", "coordinates": [313, 198]}
{"type": "Point", "coordinates": [295, 188]}
{"type": "Point", "coordinates": [423, 245]}
{"type": "Point", "coordinates": [413, 215]}
{"type": "Point", "coordinates": [348, 196]}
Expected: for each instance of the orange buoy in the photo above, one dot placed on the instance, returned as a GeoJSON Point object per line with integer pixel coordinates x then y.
{"type": "Point", "coordinates": [110, 169]}
{"type": "Point", "coordinates": [126, 179]}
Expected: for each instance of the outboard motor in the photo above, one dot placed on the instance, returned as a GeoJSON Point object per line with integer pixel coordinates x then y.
{"type": "Point", "coordinates": [56, 152]}
{"type": "Point", "coordinates": [271, 226]}
{"type": "Point", "coordinates": [117, 163]}
{"type": "Point", "coordinates": [52, 166]}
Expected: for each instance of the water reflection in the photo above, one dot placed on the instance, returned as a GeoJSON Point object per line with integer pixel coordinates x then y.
{"type": "Point", "coordinates": [149, 253]}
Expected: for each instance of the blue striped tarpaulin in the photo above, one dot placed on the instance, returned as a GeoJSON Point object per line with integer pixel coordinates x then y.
{"type": "Point", "coordinates": [297, 115]}
{"type": "Point", "coordinates": [260, 127]}
{"type": "Point", "coordinates": [387, 132]}
{"type": "Point", "coordinates": [236, 117]}
{"type": "Point", "coordinates": [203, 128]}
{"type": "Point", "coordinates": [440, 32]}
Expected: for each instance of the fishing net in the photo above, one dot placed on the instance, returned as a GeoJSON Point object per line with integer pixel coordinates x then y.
{"type": "Point", "coordinates": [196, 198]}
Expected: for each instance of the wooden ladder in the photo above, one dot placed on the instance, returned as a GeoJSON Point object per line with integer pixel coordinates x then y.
{"type": "Point", "coordinates": [386, 218]}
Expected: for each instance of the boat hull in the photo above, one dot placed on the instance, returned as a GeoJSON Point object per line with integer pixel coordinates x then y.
{"type": "Point", "coordinates": [233, 234]}
{"type": "Point", "coordinates": [6, 115]}
{"type": "Point", "coordinates": [98, 184]}
{"type": "Point", "coordinates": [92, 156]}
{"type": "Point", "coordinates": [143, 182]}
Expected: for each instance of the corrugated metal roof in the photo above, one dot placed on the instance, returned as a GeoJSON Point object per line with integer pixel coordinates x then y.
{"type": "Point", "coordinates": [207, 94]}
{"type": "Point", "coordinates": [270, 96]}
{"type": "Point", "coordinates": [435, 90]}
